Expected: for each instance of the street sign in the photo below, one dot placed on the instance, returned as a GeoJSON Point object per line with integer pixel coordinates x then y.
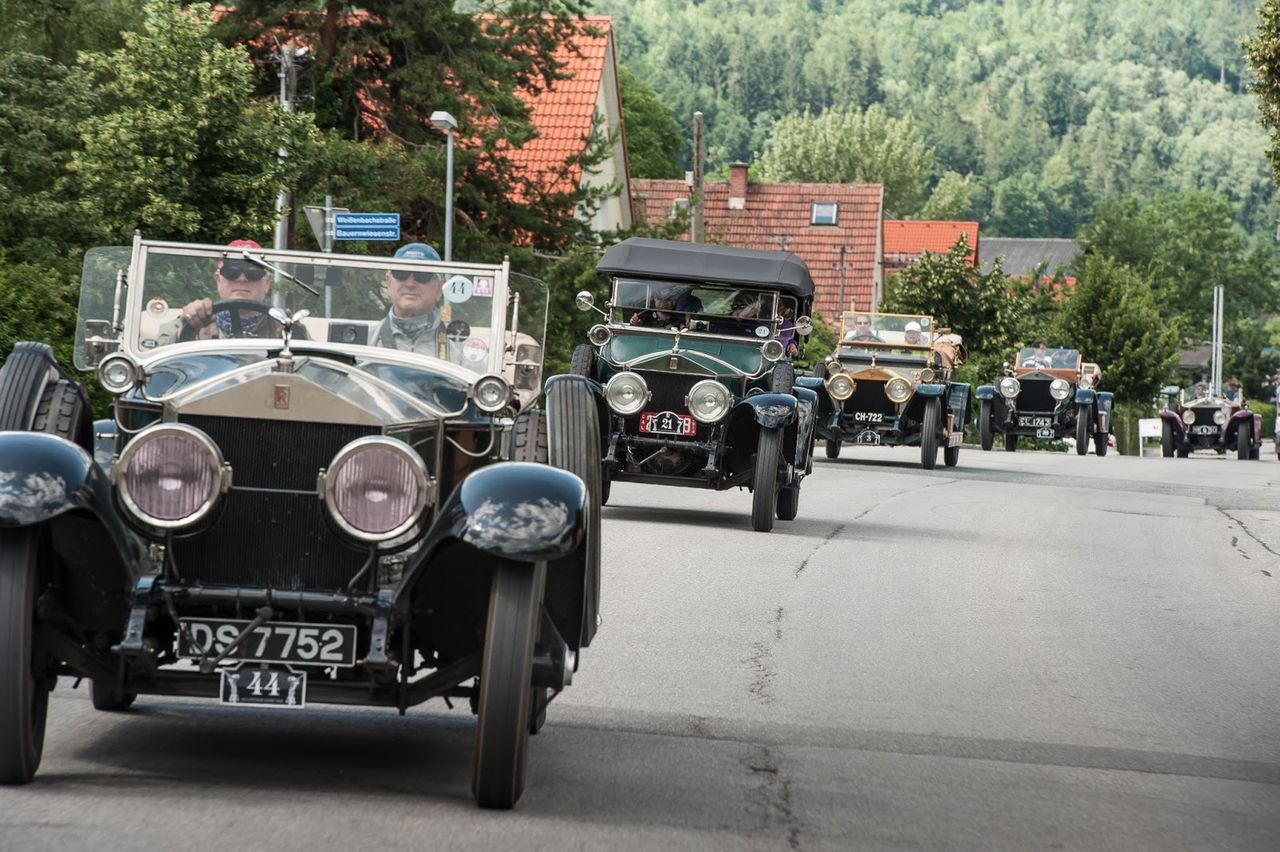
{"type": "Point", "coordinates": [315, 218]}
{"type": "Point", "coordinates": [366, 226]}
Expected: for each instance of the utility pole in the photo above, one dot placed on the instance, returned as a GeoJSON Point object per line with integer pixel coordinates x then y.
{"type": "Point", "coordinates": [288, 73]}
{"type": "Point", "coordinates": [697, 229]}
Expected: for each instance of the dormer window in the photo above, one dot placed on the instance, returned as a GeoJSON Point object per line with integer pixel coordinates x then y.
{"type": "Point", "coordinates": [823, 213]}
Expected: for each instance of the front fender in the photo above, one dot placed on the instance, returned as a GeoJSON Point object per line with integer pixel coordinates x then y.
{"type": "Point", "coordinates": [987, 392]}
{"type": "Point", "coordinates": [517, 510]}
{"type": "Point", "coordinates": [770, 410]}
{"type": "Point", "coordinates": [930, 391]}
{"type": "Point", "coordinates": [1085, 396]}
{"type": "Point", "coordinates": [1179, 430]}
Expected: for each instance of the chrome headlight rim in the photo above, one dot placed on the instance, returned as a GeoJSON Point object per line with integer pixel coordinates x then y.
{"type": "Point", "coordinates": [840, 386]}
{"type": "Point", "coordinates": [1009, 387]}
{"type": "Point", "coordinates": [1220, 417]}
{"type": "Point", "coordinates": [599, 334]}
{"type": "Point", "coordinates": [1086, 382]}
{"type": "Point", "coordinates": [726, 400]}
{"type": "Point", "coordinates": [329, 484]}
{"type": "Point", "coordinates": [1059, 389]}
{"type": "Point", "coordinates": [495, 404]}
{"type": "Point", "coordinates": [1188, 416]}
{"type": "Point", "coordinates": [110, 377]}
{"type": "Point", "coordinates": [772, 350]}
{"type": "Point", "coordinates": [898, 390]}
{"type": "Point", "coordinates": [622, 379]}
{"type": "Point", "coordinates": [221, 475]}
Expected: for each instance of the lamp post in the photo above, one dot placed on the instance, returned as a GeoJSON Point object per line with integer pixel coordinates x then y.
{"type": "Point", "coordinates": [448, 124]}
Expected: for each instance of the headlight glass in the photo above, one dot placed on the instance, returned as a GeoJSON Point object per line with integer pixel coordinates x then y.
{"type": "Point", "coordinates": [491, 393]}
{"type": "Point", "coordinates": [626, 393]}
{"type": "Point", "coordinates": [898, 389]}
{"type": "Point", "coordinates": [170, 475]}
{"type": "Point", "coordinates": [1219, 417]}
{"type": "Point", "coordinates": [840, 386]}
{"type": "Point", "coordinates": [1009, 387]}
{"type": "Point", "coordinates": [599, 334]}
{"type": "Point", "coordinates": [1188, 416]}
{"type": "Point", "coordinates": [772, 350]}
{"type": "Point", "coordinates": [927, 375]}
{"type": "Point", "coordinates": [1059, 389]}
{"type": "Point", "coordinates": [376, 488]}
{"type": "Point", "coordinates": [1086, 382]}
{"type": "Point", "coordinates": [708, 401]}
{"type": "Point", "coordinates": [117, 373]}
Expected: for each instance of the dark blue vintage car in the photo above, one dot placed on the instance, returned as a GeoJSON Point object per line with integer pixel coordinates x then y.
{"type": "Point", "coordinates": [693, 365]}
{"type": "Point", "coordinates": [284, 510]}
{"type": "Point", "coordinates": [1047, 393]}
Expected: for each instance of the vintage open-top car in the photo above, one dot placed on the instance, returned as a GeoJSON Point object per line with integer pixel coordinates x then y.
{"type": "Point", "coordinates": [1046, 393]}
{"type": "Point", "coordinates": [693, 361]}
{"type": "Point", "coordinates": [889, 382]}
{"type": "Point", "coordinates": [1200, 418]}
{"type": "Point", "coordinates": [283, 510]}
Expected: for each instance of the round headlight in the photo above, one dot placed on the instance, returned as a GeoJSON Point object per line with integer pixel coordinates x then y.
{"type": "Point", "coordinates": [1059, 388]}
{"type": "Point", "coordinates": [1086, 382]}
{"type": "Point", "coordinates": [599, 334]}
{"type": "Point", "coordinates": [491, 393]}
{"type": "Point", "coordinates": [772, 350]}
{"type": "Point", "coordinates": [708, 401]}
{"type": "Point", "coordinates": [118, 373]}
{"type": "Point", "coordinates": [1219, 417]}
{"type": "Point", "coordinates": [927, 375]}
{"type": "Point", "coordinates": [1009, 387]}
{"type": "Point", "coordinates": [376, 488]}
{"type": "Point", "coordinates": [171, 475]}
{"type": "Point", "coordinates": [1188, 416]}
{"type": "Point", "coordinates": [898, 389]}
{"type": "Point", "coordinates": [833, 365]}
{"type": "Point", "coordinates": [626, 393]}
{"type": "Point", "coordinates": [840, 386]}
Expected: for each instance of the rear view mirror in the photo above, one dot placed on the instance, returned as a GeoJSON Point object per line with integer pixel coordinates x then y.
{"type": "Point", "coordinates": [804, 326]}
{"type": "Point", "coordinates": [584, 300]}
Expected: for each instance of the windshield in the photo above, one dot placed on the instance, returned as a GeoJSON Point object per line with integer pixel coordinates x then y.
{"type": "Point", "coordinates": [1049, 358]}
{"type": "Point", "coordinates": [708, 308]}
{"type": "Point", "coordinates": [185, 294]}
{"type": "Point", "coordinates": [866, 330]}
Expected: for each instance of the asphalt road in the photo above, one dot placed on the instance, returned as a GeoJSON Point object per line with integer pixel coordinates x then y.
{"type": "Point", "coordinates": [1029, 651]}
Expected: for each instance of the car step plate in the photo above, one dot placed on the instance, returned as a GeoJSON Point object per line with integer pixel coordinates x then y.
{"type": "Point", "coordinates": [263, 687]}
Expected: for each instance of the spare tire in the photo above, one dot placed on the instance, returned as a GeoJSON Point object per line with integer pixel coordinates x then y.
{"type": "Point", "coordinates": [28, 370]}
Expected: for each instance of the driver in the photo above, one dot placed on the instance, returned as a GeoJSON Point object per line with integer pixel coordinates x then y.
{"type": "Point", "coordinates": [235, 279]}
{"type": "Point", "coordinates": [862, 329]}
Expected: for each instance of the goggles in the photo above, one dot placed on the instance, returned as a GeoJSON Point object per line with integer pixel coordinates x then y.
{"type": "Point", "coordinates": [233, 269]}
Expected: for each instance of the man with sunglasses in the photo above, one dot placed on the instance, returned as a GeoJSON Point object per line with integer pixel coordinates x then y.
{"type": "Point", "coordinates": [862, 330]}
{"type": "Point", "coordinates": [416, 322]}
{"type": "Point", "coordinates": [235, 279]}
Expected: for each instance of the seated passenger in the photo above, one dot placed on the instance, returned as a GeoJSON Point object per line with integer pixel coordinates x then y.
{"type": "Point", "coordinates": [416, 321]}
{"type": "Point", "coordinates": [671, 308]}
{"type": "Point", "coordinates": [913, 335]}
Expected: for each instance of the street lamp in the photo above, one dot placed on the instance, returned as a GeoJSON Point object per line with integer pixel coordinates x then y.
{"type": "Point", "coordinates": [448, 124]}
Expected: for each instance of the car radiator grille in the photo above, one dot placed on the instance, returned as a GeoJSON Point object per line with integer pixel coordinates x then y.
{"type": "Point", "coordinates": [1204, 416]}
{"type": "Point", "coordinates": [668, 391]}
{"type": "Point", "coordinates": [1034, 396]}
{"type": "Point", "coordinates": [869, 396]}
{"type": "Point", "coordinates": [271, 529]}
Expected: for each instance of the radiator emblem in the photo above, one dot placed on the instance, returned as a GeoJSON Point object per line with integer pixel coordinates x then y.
{"type": "Point", "coordinates": [282, 396]}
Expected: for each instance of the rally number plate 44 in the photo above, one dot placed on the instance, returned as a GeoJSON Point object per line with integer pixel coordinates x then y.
{"type": "Point", "coordinates": [273, 642]}
{"type": "Point", "coordinates": [668, 423]}
{"type": "Point", "coordinates": [250, 686]}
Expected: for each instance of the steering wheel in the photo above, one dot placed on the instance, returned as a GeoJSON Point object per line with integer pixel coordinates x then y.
{"type": "Point", "coordinates": [237, 308]}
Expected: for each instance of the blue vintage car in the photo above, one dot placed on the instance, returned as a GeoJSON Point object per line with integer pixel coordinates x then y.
{"type": "Point", "coordinates": [285, 510]}
{"type": "Point", "coordinates": [1046, 393]}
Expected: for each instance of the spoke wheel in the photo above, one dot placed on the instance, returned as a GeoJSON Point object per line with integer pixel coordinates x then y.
{"type": "Point", "coordinates": [985, 435]}
{"type": "Point", "coordinates": [833, 448]}
{"type": "Point", "coordinates": [505, 702]}
{"type": "Point", "coordinates": [1082, 429]}
{"type": "Point", "coordinates": [1244, 441]}
{"type": "Point", "coordinates": [764, 488]}
{"type": "Point", "coordinates": [788, 502]}
{"type": "Point", "coordinates": [1166, 439]}
{"type": "Point", "coordinates": [929, 434]}
{"type": "Point", "coordinates": [24, 689]}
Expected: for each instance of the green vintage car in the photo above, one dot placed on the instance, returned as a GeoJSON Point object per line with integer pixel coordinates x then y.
{"type": "Point", "coordinates": [693, 364]}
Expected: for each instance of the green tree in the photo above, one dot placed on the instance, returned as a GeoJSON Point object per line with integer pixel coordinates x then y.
{"type": "Point", "coordinates": [1113, 320]}
{"type": "Point", "coordinates": [1247, 355]}
{"type": "Point", "coordinates": [36, 303]}
{"type": "Point", "coordinates": [654, 140]}
{"type": "Point", "coordinates": [179, 148]}
{"type": "Point", "coordinates": [951, 199]}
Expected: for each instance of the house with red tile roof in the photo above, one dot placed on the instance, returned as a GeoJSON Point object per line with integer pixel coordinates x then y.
{"type": "Point", "coordinates": [834, 227]}
{"type": "Point", "coordinates": [569, 112]}
{"type": "Point", "coordinates": [906, 239]}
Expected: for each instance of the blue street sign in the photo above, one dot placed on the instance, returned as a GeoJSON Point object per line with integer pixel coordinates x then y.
{"type": "Point", "coordinates": [366, 226]}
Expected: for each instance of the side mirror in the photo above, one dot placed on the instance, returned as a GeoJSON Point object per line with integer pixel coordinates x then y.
{"type": "Point", "coordinates": [584, 301]}
{"type": "Point", "coordinates": [804, 326]}
{"type": "Point", "coordinates": [1169, 390]}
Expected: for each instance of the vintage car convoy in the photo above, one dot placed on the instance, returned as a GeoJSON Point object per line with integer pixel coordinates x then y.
{"type": "Point", "coordinates": [283, 511]}
{"type": "Point", "coordinates": [1204, 418]}
{"type": "Point", "coordinates": [890, 383]}
{"type": "Point", "coordinates": [696, 386]}
{"type": "Point", "coordinates": [1047, 393]}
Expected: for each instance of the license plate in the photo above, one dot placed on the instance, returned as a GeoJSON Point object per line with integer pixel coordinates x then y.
{"type": "Point", "coordinates": [668, 423]}
{"type": "Point", "coordinates": [273, 642]}
{"type": "Point", "coordinates": [1035, 421]}
{"type": "Point", "coordinates": [867, 436]}
{"type": "Point", "coordinates": [1044, 433]}
{"type": "Point", "coordinates": [868, 416]}
{"type": "Point", "coordinates": [1204, 430]}
{"type": "Point", "coordinates": [264, 687]}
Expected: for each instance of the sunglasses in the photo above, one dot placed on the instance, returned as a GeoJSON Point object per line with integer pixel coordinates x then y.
{"type": "Point", "coordinates": [420, 277]}
{"type": "Point", "coordinates": [233, 269]}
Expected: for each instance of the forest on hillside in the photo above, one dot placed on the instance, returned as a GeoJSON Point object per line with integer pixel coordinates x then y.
{"type": "Point", "coordinates": [1050, 107]}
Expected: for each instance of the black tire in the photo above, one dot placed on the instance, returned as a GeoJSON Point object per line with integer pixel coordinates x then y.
{"type": "Point", "coordinates": [64, 411]}
{"type": "Point", "coordinates": [1184, 454]}
{"type": "Point", "coordinates": [929, 433]}
{"type": "Point", "coordinates": [573, 444]}
{"type": "Point", "coordinates": [606, 485]}
{"type": "Point", "coordinates": [1082, 429]}
{"type": "Point", "coordinates": [24, 691]}
{"type": "Point", "coordinates": [1100, 443]}
{"type": "Point", "coordinates": [820, 370]}
{"type": "Point", "coordinates": [985, 435]}
{"type": "Point", "coordinates": [1010, 442]}
{"type": "Point", "coordinates": [583, 361]}
{"type": "Point", "coordinates": [529, 437]}
{"type": "Point", "coordinates": [1166, 439]}
{"type": "Point", "coordinates": [505, 702]}
{"type": "Point", "coordinates": [788, 502]}
{"type": "Point", "coordinates": [1244, 440]}
{"type": "Point", "coordinates": [833, 448]}
{"type": "Point", "coordinates": [29, 368]}
{"type": "Point", "coordinates": [764, 487]}
{"type": "Point", "coordinates": [783, 379]}
{"type": "Point", "coordinates": [103, 695]}
{"type": "Point", "coordinates": [951, 455]}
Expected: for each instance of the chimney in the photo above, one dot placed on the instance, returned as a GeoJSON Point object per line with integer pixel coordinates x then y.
{"type": "Point", "coordinates": [640, 206]}
{"type": "Point", "coordinates": [738, 185]}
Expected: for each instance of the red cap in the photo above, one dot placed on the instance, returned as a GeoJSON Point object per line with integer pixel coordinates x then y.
{"type": "Point", "coordinates": [240, 244]}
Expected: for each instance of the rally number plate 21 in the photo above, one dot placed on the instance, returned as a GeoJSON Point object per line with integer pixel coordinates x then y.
{"type": "Point", "coordinates": [668, 423]}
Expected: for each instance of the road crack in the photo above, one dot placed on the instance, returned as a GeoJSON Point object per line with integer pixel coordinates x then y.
{"type": "Point", "coordinates": [825, 541]}
{"type": "Point", "coordinates": [1244, 528]}
{"type": "Point", "coordinates": [761, 664]}
{"type": "Point", "coordinates": [774, 794]}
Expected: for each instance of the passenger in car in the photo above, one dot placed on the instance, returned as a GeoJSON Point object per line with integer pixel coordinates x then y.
{"type": "Point", "coordinates": [671, 308]}
{"type": "Point", "coordinates": [416, 321]}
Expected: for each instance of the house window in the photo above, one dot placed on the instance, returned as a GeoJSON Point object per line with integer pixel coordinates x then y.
{"type": "Point", "coordinates": [823, 213]}
{"type": "Point", "coordinates": [680, 205]}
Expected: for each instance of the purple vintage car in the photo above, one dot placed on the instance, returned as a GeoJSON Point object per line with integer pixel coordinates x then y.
{"type": "Point", "coordinates": [1196, 418]}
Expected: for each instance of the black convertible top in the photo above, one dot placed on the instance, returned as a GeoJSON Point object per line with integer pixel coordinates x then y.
{"type": "Point", "coordinates": [678, 260]}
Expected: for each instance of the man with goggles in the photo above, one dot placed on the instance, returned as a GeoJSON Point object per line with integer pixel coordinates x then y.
{"type": "Point", "coordinates": [416, 322]}
{"type": "Point", "coordinates": [235, 279]}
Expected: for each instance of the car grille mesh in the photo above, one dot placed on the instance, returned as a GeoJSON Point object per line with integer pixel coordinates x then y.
{"type": "Point", "coordinates": [1035, 396]}
{"type": "Point", "coordinates": [271, 530]}
{"type": "Point", "coordinates": [869, 395]}
{"type": "Point", "coordinates": [1204, 416]}
{"type": "Point", "coordinates": [668, 391]}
